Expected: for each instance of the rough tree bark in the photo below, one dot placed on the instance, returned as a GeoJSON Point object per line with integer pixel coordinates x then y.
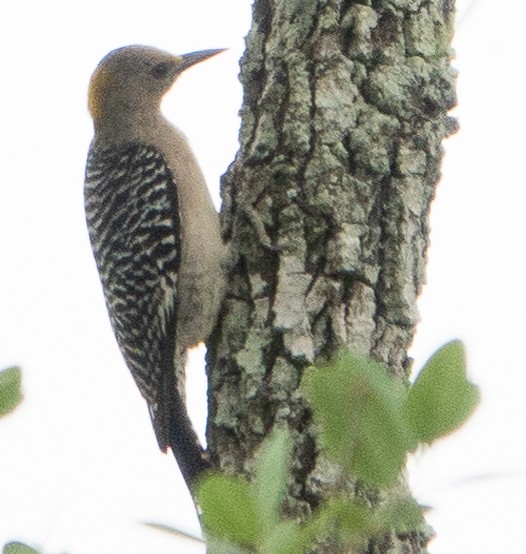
{"type": "Point", "coordinates": [326, 206]}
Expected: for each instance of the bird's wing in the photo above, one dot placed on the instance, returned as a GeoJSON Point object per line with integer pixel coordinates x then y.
{"type": "Point", "coordinates": [133, 222]}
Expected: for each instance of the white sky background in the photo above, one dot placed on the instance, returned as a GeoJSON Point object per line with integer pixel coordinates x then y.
{"type": "Point", "coordinates": [79, 464]}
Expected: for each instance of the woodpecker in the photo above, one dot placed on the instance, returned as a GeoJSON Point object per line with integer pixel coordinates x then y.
{"type": "Point", "coordinates": [155, 235]}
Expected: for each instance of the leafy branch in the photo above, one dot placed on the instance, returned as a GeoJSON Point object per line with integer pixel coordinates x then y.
{"type": "Point", "coordinates": [367, 423]}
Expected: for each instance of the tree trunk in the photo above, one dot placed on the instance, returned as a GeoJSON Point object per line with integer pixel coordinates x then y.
{"type": "Point", "coordinates": [326, 207]}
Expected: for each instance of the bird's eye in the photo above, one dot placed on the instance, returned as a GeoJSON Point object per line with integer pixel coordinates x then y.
{"type": "Point", "coordinates": [161, 70]}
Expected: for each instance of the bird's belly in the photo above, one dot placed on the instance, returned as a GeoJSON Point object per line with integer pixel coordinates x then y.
{"type": "Point", "coordinates": [203, 286]}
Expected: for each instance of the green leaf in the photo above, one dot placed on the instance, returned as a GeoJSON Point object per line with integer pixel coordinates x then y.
{"type": "Point", "coordinates": [284, 538]}
{"type": "Point", "coordinates": [351, 520]}
{"type": "Point", "coordinates": [442, 398]}
{"type": "Point", "coordinates": [358, 408]}
{"type": "Point", "coordinates": [18, 548]}
{"type": "Point", "coordinates": [355, 524]}
{"type": "Point", "coordinates": [10, 390]}
{"type": "Point", "coordinates": [403, 515]}
{"type": "Point", "coordinates": [229, 509]}
{"type": "Point", "coordinates": [317, 527]}
{"type": "Point", "coordinates": [271, 477]}
{"type": "Point", "coordinates": [218, 546]}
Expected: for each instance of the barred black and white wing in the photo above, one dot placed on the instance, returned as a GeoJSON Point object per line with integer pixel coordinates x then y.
{"type": "Point", "coordinates": [133, 222]}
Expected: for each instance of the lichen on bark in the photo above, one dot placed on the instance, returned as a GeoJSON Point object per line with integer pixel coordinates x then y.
{"type": "Point", "coordinates": [326, 208]}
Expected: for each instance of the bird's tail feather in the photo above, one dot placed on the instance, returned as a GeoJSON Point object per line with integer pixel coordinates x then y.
{"type": "Point", "coordinates": [173, 426]}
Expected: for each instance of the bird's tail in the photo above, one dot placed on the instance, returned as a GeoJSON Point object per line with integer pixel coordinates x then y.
{"type": "Point", "coordinates": [173, 426]}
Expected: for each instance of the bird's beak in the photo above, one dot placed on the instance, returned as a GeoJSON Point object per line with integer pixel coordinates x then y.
{"type": "Point", "coordinates": [195, 57]}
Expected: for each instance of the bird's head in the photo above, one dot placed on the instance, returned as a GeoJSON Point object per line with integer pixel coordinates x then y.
{"type": "Point", "coordinates": [136, 78]}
